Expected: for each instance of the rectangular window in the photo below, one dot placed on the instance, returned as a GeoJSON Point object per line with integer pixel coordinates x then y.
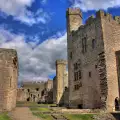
{"type": "Point", "coordinates": [70, 55]}
{"type": "Point", "coordinates": [79, 74]}
{"type": "Point", "coordinates": [93, 43]}
{"type": "Point", "coordinates": [75, 76]}
{"type": "Point", "coordinates": [84, 45]}
{"type": "Point", "coordinates": [89, 74]}
{"type": "Point", "coordinates": [76, 87]}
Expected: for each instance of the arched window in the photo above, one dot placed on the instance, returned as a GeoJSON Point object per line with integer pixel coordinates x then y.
{"type": "Point", "coordinates": [93, 43]}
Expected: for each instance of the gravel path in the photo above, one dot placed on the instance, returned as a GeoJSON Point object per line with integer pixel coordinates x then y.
{"type": "Point", "coordinates": [22, 113]}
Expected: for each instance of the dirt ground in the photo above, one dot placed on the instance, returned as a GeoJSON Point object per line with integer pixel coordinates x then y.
{"type": "Point", "coordinates": [22, 113]}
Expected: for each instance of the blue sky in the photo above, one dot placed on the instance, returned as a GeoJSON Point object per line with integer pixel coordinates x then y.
{"type": "Point", "coordinates": [37, 30]}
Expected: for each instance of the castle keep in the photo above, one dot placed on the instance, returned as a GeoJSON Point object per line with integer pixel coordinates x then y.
{"type": "Point", "coordinates": [8, 79]}
{"type": "Point", "coordinates": [93, 60]}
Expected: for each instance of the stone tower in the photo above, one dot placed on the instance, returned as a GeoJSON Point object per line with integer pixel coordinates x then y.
{"type": "Point", "coordinates": [74, 21]}
{"type": "Point", "coordinates": [60, 70]}
{"type": "Point", "coordinates": [8, 79]}
{"type": "Point", "coordinates": [93, 60]}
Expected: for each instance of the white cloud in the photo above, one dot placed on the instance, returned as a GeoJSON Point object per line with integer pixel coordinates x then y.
{"type": "Point", "coordinates": [38, 63]}
{"type": "Point", "coordinates": [18, 9]}
{"type": "Point", "coordinates": [86, 5]}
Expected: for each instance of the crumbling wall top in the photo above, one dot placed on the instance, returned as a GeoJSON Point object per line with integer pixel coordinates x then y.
{"type": "Point", "coordinates": [99, 15]}
{"type": "Point", "coordinates": [7, 54]}
{"type": "Point", "coordinates": [61, 62]}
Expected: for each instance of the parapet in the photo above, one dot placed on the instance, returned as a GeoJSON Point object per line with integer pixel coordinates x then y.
{"type": "Point", "coordinates": [74, 11]}
{"type": "Point", "coordinates": [61, 62]}
{"type": "Point", "coordinates": [101, 14]}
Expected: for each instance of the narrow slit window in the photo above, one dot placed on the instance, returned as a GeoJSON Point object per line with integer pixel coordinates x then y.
{"type": "Point", "coordinates": [93, 44]}
{"type": "Point", "coordinates": [90, 74]}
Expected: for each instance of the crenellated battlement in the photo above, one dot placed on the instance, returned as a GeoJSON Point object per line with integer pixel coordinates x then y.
{"type": "Point", "coordinates": [99, 15]}
{"type": "Point", "coordinates": [102, 14]}
{"type": "Point", "coordinates": [61, 62]}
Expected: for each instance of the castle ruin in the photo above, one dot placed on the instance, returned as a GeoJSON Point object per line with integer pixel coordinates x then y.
{"type": "Point", "coordinates": [93, 60]}
{"type": "Point", "coordinates": [36, 91]}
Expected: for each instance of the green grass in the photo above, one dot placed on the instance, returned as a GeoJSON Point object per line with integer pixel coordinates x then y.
{"type": "Point", "coordinates": [32, 104]}
{"type": "Point", "coordinates": [43, 116]}
{"type": "Point", "coordinates": [4, 116]}
{"type": "Point", "coordinates": [79, 116]}
{"type": "Point", "coordinates": [39, 109]}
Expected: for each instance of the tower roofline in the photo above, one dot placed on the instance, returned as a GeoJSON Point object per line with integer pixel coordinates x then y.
{"type": "Point", "coordinates": [61, 62]}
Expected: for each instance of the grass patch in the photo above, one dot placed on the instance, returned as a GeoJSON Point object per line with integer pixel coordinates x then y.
{"type": "Point", "coordinates": [43, 116]}
{"type": "Point", "coordinates": [32, 104]}
{"type": "Point", "coordinates": [39, 109]}
{"type": "Point", "coordinates": [4, 116]}
{"type": "Point", "coordinates": [79, 116]}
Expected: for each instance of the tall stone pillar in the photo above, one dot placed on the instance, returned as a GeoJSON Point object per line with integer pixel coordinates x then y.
{"type": "Point", "coordinates": [60, 70]}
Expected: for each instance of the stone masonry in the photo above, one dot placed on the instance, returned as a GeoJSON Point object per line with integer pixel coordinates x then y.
{"type": "Point", "coordinates": [36, 91]}
{"type": "Point", "coordinates": [32, 91]}
{"type": "Point", "coordinates": [60, 82]}
{"type": "Point", "coordinates": [93, 60]}
{"type": "Point", "coordinates": [21, 95]}
{"type": "Point", "coordinates": [8, 79]}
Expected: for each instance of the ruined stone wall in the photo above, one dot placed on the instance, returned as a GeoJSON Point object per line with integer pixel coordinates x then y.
{"type": "Point", "coordinates": [111, 37]}
{"type": "Point", "coordinates": [33, 91]}
{"type": "Point", "coordinates": [48, 91]}
{"type": "Point", "coordinates": [88, 93]}
{"type": "Point", "coordinates": [21, 94]}
{"type": "Point", "coordinates": [49, 84]}
{"type": "Point", "coordinates": [99, 67]}
{"type": "Point", "coordinates": [8, 78]}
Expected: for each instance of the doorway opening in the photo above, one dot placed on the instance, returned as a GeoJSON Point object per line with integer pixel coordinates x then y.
{"type": "Point", "coordinates": [28, 99]}
{"type": "Point", "coordinates": [80, 106]}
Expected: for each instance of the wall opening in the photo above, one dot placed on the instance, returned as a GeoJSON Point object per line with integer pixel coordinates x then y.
{"type": "Point", "coordinates": [28, 99]}
{"type": "Point", "coordinates": [80, 106]}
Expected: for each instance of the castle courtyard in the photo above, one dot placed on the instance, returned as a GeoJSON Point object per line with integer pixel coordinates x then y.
{"type": "Point", "coordinates": [83, 86]}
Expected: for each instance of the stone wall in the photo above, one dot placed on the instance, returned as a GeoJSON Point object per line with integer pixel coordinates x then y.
{"type": "Point", "coordinates": [111, 37]}
{"type": "Point", "coordinates": [36, 91]}
{"type": "Point", "coordinates": [21, 94]}
{"type": "Point", "coordinates": [33, 90]}
{"type": "Point", "coordinates": [8, 79]}
{"type": "Point", "coordinates": [61, 81]}
{"type": "Point", "coordinates": [93, 48]}
{"type": "Point", "coordinates": [88, 94]}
